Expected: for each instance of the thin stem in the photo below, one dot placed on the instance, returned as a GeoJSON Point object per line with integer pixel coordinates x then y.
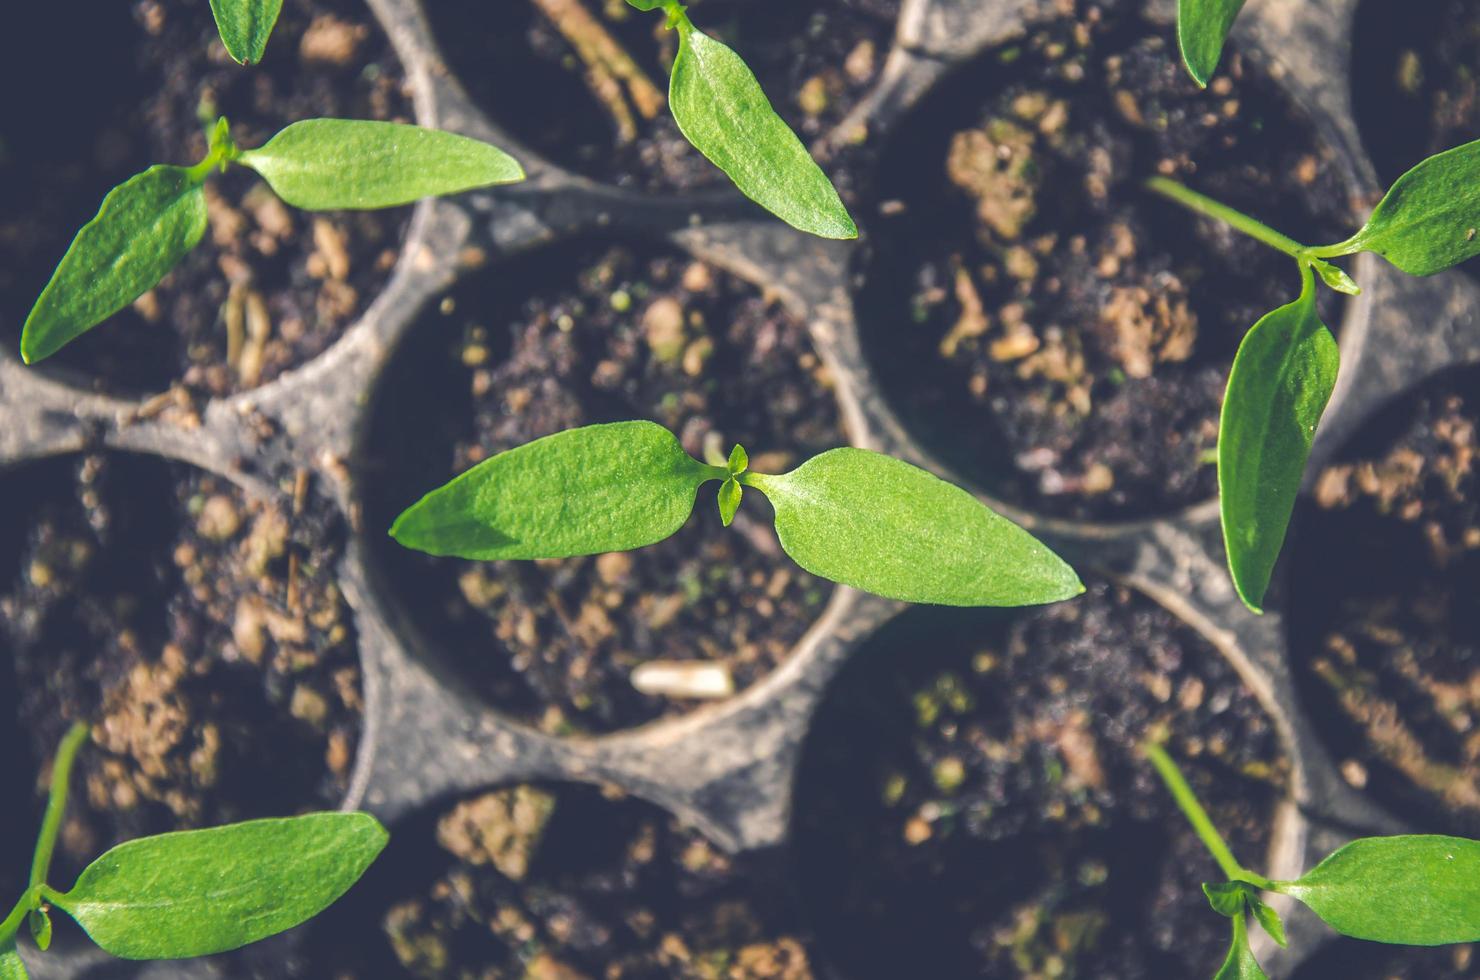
{"type": "Point", "coordinates": [12, 923]}
{"type": "Point", "coordinates": [56, 803]}
{"type": "Point", "coordinates": [1336, 251]}
{"type": "Point", "coordinates": [1198, 817]}
{"type": "Point", "coordinates": [1256, 230]}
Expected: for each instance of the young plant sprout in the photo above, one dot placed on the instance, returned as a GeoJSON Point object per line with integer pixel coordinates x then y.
{"type": "Point", "coordinates": [245, 26]}
{"type": "Point", "coordinates": [150, 221]}
{"type": "Point", "coordinates": [1202, 28]}
{"type": "Point", "coordinates": [194, 892]}
{"type": "Point", "coordinates": [849, 515]}
{"type": "Point", "coordinates": [720, 108]}
{"type": "Point", "coordinates": [1285, 368]}
{"type": "Point", "coordinates": [1414, 890]}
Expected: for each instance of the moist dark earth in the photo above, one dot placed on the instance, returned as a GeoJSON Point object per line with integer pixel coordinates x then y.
{"type": "Point", "coordinates": [560, 883]}
{"type": "Point", "coordinates": [1040, 320]}
{"type": "Point", "coordinates": [603, 332]}
{"type": "Point", "coordinates": [814, 60]}
{"type": "Point", "coordinates": [284, 282]}
{"type": "Point", "coordinates": [1385, 631]}
{"type": "Point", "coordinates": [971, 799]}
{"type": "Point", "coordinates": [198, 632]}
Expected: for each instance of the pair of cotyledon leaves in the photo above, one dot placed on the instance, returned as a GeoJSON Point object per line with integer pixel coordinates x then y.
{"type": "Point", "coordinates": [715, 98]}
{"type": "Point", "coordinates": [849, 515]}
{"type": "Point", "coordinates": [1413, 890]}
{"type": "Point", "coordinates": [1285, 368]}
{"type": "Point", "coordinates": [198, 892]}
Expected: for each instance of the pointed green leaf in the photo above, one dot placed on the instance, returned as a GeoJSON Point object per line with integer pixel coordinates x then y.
{"type": "Point", "coordinates": [245, 26]}
{"type": "Point", "coordinates": [40, 925]}
{"type": "Point", "coordinates": [327, 164]}
{"type": "Point", "coordinates": [1240, 963]}
{"type": "Point", "coordinates": [1281, 379]}
{"type": "Point", "coordinates": [739, 462]}
{"type": "Point", "coordinates": [1336, 278]}
{"type": "Point", "coordinates": [721, 109]}
{"type": "Point", "coordinates": [1269, 920]}
{"type": "Point", "coordinates": [882, 525]}
{"type": "Point", "coordinates": [580, 492]}
{"type": "Point", "coordinates": [12, 967]}
{"type": "Point", "coordinates": [143, 228]}
{"type": "Point", "coordinates": [197, 892]}
{"type": "Point", "coordinates": [729, 500]}
{"type": "Point", "coordinates": [1228, 898]}
{"type": "Point", "coordinates": [1419, 890]}
{"type": "Point", "coordinates": [1429, 220]}
{"type": "Point", "coordinates": [1202, 27]}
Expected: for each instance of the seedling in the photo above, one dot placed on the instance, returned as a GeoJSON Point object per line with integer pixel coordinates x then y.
{"type": "Point", "coordinates": [1202, 29]}
{"type": "Point", "coordinates": [1285, 368]}
{"type": "Point", "coordinates": [150, 221]}
{"type": "Point", "coordinates": [720, 108]}
{"type": "Point", "coordinates": [849, 515]}
{"type": "Point", "coordinates": [194, 892]}
{"type": "Point", "coordinates": [1414, 890]}
{"type": "Point", "coordinates": [245, 26]}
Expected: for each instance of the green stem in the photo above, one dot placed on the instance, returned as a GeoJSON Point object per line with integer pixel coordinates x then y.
{"type": "Point", "coordinates": [56, 803]}
{"type": "Point", "coordinates": [1258, 231]}
{"type": "Point", "coordinates": [17, 916]}
{"type": "Point", "coordinates": [1198, 817]}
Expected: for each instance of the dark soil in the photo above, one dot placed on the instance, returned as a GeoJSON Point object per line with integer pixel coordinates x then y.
{"type": "Point", "coordinates": [1043, 322]}
{"type": "Point", "coordinates": [1385, 631]}
{"type": "Point", "coordinates": [1416, 85]}
{"type": "Point", "coordinates": [130, 90]}
{"type": "Point", "coordinates": [600, 334]}
{"type": "Point", "coordinates": [559, 883]}
{"type": "Point", "coordinates": [971, 800]}
{"type": "Point", "coordinates": [814, 60]}
{"type": "Point", "coordinates": [1352, 959]}
{"type": "Point", "coordinates": [200, 633]}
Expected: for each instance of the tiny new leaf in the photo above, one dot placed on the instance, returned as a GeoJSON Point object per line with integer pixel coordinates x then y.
{"type": "Point", "coordinates": [328, 164]}
{"type": "Point", "coordinates": [245, 26]}
{"type": "Point", "coordinates": [1428, 220]}
{"type": "Point", "coordinates": [720, 108]}
{"type": "Point", "coordinates": [884, 526]}
{"type": "Point", "coordinates": [1269, 920]}
{"type": "Point", "coordinates": [1282, 377]}
{"type": "Point", "coordinates": [143, 228]}
{"type": "Point", "coordinates": [197, 892]}
{"type": "Point", "coordinates": [1202, 27]}
{"type": "Point", "coordinates": [12, 967]}
{"type": "Point", "coordinates": [1419, 890]}
{"type": "Point", "coordinates": [40, 926]}
{"type": "Point", "coordinates": [1228, 898]}
{"type": "Point", "coordinates": [729, 500]}
{"type": "Point", "coordinates": [1240, 963]}
{"type": "Point", "coordinates": [584, 491]}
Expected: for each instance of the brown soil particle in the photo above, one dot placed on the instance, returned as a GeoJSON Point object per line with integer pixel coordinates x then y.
{"type": "Point", "coordinates": [201, 634]}
{"type": "Point", "coordinates": [972, 800]}
{"type": "Point", "coordinates": [1042, 322]}
{"type": "Point", "coordinates": [598, 335]}
{"type": "Point", "coordinates": [814, 60]}
{"type": "Point", "coordinates": [1387, 564]}
{"type": "Point", "coordinates": [269, 287]}
{"type": "Point", "coordinates": [603, 888]}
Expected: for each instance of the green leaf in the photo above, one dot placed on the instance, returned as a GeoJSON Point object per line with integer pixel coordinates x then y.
{"type": "Point", "coordinates": [1336, 278]}
{"type": "Point", "coordinates": [646, 4]}
{"type": "Point", "coordinates": [245, 26]}
{"type": "Point", "coordinates": [1269, 920]}
{"type": "Point", "coordinates": [882, 525]}
{"type": "Point", "coordinates": [581, 492]}
{"type": "Point", "coordinates": [721, 109]}
{"type": "Point", "coordinates": [12, 967]}
{"type": "Point", "coordinates": [40, 925]}
{"type": "Point", "coordinates": [1240, 963]}
{"type": "Point", "coordinates": [198, 892]}
{"type": "Point", "coordinates": [739, 461]}
{"type": "Point", "coordinates": [1228, 898]}
{"type": "Point", "coordinates": [1202, 27]}
{"type": "Point", "coordinates": [328, 164]}
{"type": "Point", "coordinates": [1429, 220]}
{"type": "Point", "coordinates": [143, 228]}
{"type": "Point", "coordinates": [1418, 890]}
{"type": "Point", "coordinates": [1281, 379]}
{"type": "Point", "coordinates": [729, 500]}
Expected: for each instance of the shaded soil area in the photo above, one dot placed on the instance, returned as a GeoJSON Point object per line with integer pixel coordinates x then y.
{"type": "Point", "coordinates": [814, 61]}
{"type": "Point", "coordinates": [1353, 959]}
{"type": "Point", "coordinates": [971, 799]}
{"type": "Point", "coordinates": [602, 333]}
{"type": "Point", "coordinates": [199, 632]}
{"type": "Point", "coordinates": [1385, 631]}
{"type": "Point", "coordinates": [1040, 320]}
{"type": "Point", "coordinates": [283, 283]}
{"type": "Point", "coordinates": [559, 883]}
